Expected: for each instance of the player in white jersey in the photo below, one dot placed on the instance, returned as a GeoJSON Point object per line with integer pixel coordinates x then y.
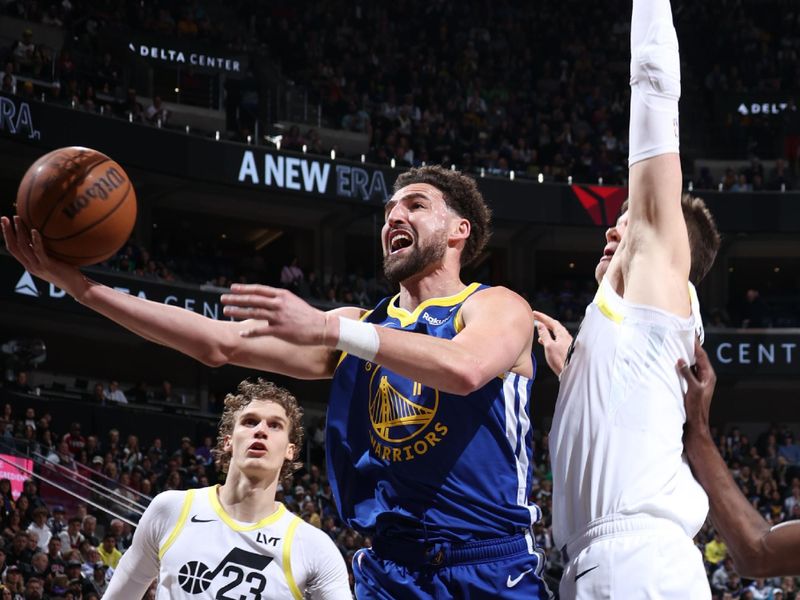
{"type": "Point", "coordinates": [625, 504]}
{"type": "Point", "coordinates": [235, 540]}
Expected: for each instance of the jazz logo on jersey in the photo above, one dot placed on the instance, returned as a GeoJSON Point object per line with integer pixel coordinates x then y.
{"type": "Point", "coordinates": [403, 417]}
{"type": "Point", "coordinates": [245, 567]}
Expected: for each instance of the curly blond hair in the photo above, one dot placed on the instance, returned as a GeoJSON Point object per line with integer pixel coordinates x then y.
{"type": "Point", "coordinates": [247, 392]}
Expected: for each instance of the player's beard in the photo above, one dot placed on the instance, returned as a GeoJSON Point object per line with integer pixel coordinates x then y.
{"type": "Point", "coordinates": [398, 268]}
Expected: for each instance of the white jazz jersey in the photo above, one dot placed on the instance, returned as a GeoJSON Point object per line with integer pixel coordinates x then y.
{"type": "Point", "coordinates": [616, 440]}
{"type": "Point", "coordinates": [197, 551]}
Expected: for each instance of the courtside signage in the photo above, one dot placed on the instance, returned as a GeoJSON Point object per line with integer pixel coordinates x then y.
{"type": "Point", "coordinates": [313, 176]}
{"type": "Point", "coordinates": [26, 288]}
{"type": "Point", "coordinates": [763, 353]}
{"type": "Point", "coordinates": [182, 57]}
{"type": "Point", "coordinates": [16, 476]}
{"type": "Point", "coordinates": [16, 118]}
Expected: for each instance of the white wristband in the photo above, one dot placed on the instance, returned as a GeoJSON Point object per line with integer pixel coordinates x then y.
{"type": "Point", "coordinates": [358, 338]}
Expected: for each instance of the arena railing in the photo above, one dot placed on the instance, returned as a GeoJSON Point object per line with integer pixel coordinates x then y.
{"type": "Point", "coordinates": [105, 491]}
{"type": "Point", "coordinates": [79, 497]}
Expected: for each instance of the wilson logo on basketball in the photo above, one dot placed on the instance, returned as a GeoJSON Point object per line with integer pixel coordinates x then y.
{"type": "Point", "coordinates": [100, 190]}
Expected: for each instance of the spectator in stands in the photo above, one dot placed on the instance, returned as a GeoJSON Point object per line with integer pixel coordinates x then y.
{"type": "Point", "coordinates": [12, 525]}
{"type": "Point", "coordinates": [131, 453]}
{"type": "Point", "coordinates": [71, 537]}
{"type": "Point", "coordinates": [28, 443]}
{"type": "Point", "coordinates": [755, 313]}
{"type": "Point", "coordinates": [6, 498]}
{"type": "Point", "coordinates": [9, 78]}
{"type": "Point", "coordinates": [292, 275]}
{"type": "Point", "coordinates": [114, 394]}
{"type": "Point", "coordinates": [30, 492]}
{"type": "Point", "coordinates": [90, 558]}
{"type": "Point", "coordinates": [19, 553]}
{"type": "Point", "coordinates": [100, 577]}
{"type": "Point", "coordinates": [790, 451]}
{"type": "Point", "coordinates": [99, 394]}
{"type": "Point", "coordinates": [793, 500]}
{"type": "Point", "coordinates": [715, 550]}
{"type": "Point", "coordinates": [204, 453]}
{"type": "Point", "coordinates": [62, 456]}
{"type": "Point", "coordinates": [132, 108]}
{"type": "Point", "coordinates": [21, 386]}
{"type": "Point", "coordinates": [92, 449]}
{"type": "Point", "coordinates": [58, 521]}
{"type": "Point", "coordinates": [780, 177]}
{"type": "Point", "coordinates": [89, 530]}
{"type": "Point", "coordinates": [123, 532]}
{"type": "Point", "coordinates": [37, 568]}
{"type": "Point", "coordinates": [108, 551]}
{"type": "Point", "coordinates": [168, 396]}
{"type": "Point", "coordinates": [75, 574]}
{"type": "Point", "coordinates": [721, 576]}
{"type": "Point", "coordinates": [8, 84]}
{"type": "Point", "coordinates": [357, 119]}
{"type": "Point", "coordinates": [157, 113]}
{"type": "Point", "coordinates": [107, 78]}
{"type": "Point", "coordinates": [23, 53]}
{"type": "Point", "coordinates": [74, 439]}
{"type": "Point", "coordinates": [14, 582]}
{"type": "Point", "coordinates": [39, 528]}
{"type": "Point", "coordinates": [139, 394]}
{"type": "Point", "coordinates": [34, 589]}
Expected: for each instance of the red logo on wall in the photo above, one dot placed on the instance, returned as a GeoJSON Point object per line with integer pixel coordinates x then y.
{"type": "Point", "coordinates": [602, 203]}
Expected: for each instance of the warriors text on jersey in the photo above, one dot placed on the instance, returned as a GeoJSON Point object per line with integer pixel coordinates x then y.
{"type": "Point", "coordinates": [196, 550]}
{"type": "Point", "coordinates": [414, 462]}
{"type": "Point", "coordinates": [616, 438]}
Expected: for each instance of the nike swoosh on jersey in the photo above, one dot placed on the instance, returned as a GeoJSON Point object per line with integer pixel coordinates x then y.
{"type": "Point", "coordinates": [196, 520]}
{"type": "Point", "coordinates": [582, 573]}
{"type": "Point", "coordinates": [510, 583]}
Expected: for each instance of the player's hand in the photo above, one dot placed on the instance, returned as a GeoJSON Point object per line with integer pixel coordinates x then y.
{"type": "Point", "coordinates": [283, 314]}
{"type": "Point", "coordinates": [28, 248]}
{"type": "Point", "coordinates": [701, 381]}
{"type": "Point", "coordinates": [554, 338]}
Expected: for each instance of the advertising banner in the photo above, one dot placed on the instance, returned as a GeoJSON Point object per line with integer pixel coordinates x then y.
{"type": "Point", "coordinates": [16, 476]}
{"type": "Point", "coordinates": [20, 286]}
{"type": "Point", "coordinates": [265, 169]}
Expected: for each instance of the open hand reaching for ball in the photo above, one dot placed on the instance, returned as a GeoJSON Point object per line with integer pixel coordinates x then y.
{"type": "Point", "coordinates": [27, 247]}
{"type": "Point", "coordinates": [283, 314]}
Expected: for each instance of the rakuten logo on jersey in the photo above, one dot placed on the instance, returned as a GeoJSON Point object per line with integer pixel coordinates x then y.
{"type": "Point", "coordinates": [433, 320]}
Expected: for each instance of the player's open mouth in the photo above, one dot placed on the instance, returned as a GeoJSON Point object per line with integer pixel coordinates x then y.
{"type": "Point", "coordinates": [398, 240]}
{"type": "Point", "coordinates": [257, 447]}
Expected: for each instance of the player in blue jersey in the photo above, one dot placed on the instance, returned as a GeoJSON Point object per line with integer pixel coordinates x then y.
{"type": "Point", "coordinates": [429, 435]}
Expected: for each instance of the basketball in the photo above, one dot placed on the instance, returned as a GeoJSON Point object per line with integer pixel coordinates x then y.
{"type": "Point", "coordinates": [81, 202]}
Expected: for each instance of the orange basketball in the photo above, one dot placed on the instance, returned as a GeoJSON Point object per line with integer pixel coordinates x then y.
{"type": "Point", "coordinates": [81, 202]}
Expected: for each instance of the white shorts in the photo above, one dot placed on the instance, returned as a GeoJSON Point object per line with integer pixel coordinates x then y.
{"type": "Point", "coordinates": [627, 558]}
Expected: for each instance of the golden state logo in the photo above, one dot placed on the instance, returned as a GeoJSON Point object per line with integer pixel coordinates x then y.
{"type": "Point", "coordinates": [403, 417]}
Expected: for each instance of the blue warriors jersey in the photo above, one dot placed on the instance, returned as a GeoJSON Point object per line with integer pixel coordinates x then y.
{"type": "Point", "coordinates": [410, 461]}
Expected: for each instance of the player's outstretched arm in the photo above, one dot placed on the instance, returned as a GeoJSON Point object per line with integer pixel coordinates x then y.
{"type": "Point", "coordinates": [210, 341]}
{"type": "Point", "coordinates": [757, 550]}
{"type": "Point", "coordinates": [555, 339]}
{"type": "Point", "coordinates": [497, 336]}
{"type": "Point", "coordinates": [654, 253]}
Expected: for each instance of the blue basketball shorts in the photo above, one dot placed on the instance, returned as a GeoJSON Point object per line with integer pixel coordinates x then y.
{"type": "Point", "coordinates": [506, 569]}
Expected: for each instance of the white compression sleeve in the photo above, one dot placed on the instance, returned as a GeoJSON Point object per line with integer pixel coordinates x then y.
{"type": "Point", "coordinates": [655, 81]}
